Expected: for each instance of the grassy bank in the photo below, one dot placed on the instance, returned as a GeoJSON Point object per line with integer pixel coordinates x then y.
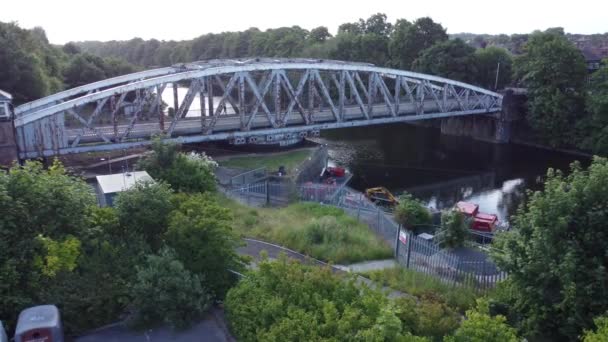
{"type": "Point", "coordinates": [422, 285]}
{"type": "Point", "coordinates": [323, 232]}
{"type": "Point", "coordinates": [271, 162]}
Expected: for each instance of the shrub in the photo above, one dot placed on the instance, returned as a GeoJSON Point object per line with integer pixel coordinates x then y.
{"type": "Point", "coordinates": [165, 292]}
{"type": "Point", "coordinates": [429, 316]}
{"type": "Point", "coordinates": [200, 231]}
{"type": "Point", "coordinates": [287, 301]}
{"type": "Point", "coordinates": [411, 212]}
{"type": "Point", "coordinates": [453, 231]}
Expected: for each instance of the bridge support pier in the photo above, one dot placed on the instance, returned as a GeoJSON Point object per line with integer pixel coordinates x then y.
{"type": "Point", "coordinates": [8, 143]}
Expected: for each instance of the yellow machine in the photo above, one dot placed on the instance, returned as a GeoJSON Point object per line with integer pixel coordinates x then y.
{"type": "Point", "coordinates": [381, 196]}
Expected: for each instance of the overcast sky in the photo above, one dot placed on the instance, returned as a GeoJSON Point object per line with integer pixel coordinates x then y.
{"type": "Point", "coordinates": [73, 20]}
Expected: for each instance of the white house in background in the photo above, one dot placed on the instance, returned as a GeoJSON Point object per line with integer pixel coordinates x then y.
{"type": "Point", "coordinates": [109, 185]}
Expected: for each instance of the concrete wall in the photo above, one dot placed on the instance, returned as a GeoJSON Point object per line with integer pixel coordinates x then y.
{"type": "Point", "coordinates": [497, 128]}
{"type": "Point", "coordinates": [8, 145]}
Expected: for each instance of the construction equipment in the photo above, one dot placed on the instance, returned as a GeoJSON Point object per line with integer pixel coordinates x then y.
{"type": "Point", "coordinates": [381, 196]}
{"type": "Point", "coordinates": [479, 221]}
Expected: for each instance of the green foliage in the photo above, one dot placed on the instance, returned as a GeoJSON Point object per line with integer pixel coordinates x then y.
{"type": "Point", "coordinates": [424, 286]}
{"type": "Point", "coordinates": [452, 59]}
{"type": "Point", "coordinates": [143, 211]}
{"type": "Point", "coordinates": [59, 255]}
{"type": "Point", "coordinates": [166, 292]}
{"type": "Point", "coordinates": [554, 71]}
{"type": "Point", "coordinates": [487, 63]}
{"type": "Point", "coordinates": [200, 231]}
{"type": "Point", "coordinates": [409, 40]}
{"type": "Point", "coordinates": [286, 301]}
{"type": "Point", "coordinates": [411, 212]}
{"type": "Point", "coordinates": [36, 202]}
{"type": "Point", "coordinates": [555, 255]}
{"type": "Point", "coordinates": [33, 68]}
{"type": "Point", "coordinates": [600, 334]}
{"type": "Point", "coordinates": [597, 105]}
{"type": "Point", "coordinates": [184, 172]}
{"type": "Point", "coordinates": [479, 326]}
{"type": "Point", "coordinates": [427, 316]}
{"type": "Point", "coordinates": [323, 232]}
{"type": "Point", "coordinates": [453, 230]}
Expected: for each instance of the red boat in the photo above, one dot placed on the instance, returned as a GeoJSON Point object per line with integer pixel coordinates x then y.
{"type": "Point", "coordinates": [480, 221]}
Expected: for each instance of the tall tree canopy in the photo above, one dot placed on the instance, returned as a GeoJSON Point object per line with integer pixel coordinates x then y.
{"type": "Point", "coordinates": [554, 72]}
{"type": "Point", "coordinates": [453, 59]}
{"type": "Point", "coordinates": [556, 254]}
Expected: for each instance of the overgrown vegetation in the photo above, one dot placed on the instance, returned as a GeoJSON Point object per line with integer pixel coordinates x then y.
{"type": "Point", "coordinates": [190, 173]}
{"type": "Point", "coordinates": [57, 246]}
{"type": "Point", "coordinates": [323, 232]}
{"type": "Point", "coordinates": [422, 285]}
{"type": "Point", "coordinates": [411, 212]}
{"type": "Point", "coordinates": [287, 301]}
{"type": "Point", "coordinates": [290, 160]}
{"type": "Point", "coordinates": [453, 230]}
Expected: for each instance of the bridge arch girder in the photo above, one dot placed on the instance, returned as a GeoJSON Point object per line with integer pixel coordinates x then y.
{"type": "Point", "coordinates": [237, 99]}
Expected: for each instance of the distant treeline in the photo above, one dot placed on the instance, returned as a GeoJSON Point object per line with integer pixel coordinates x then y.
{"type": "Point", "coordinates": [402, 44]}
{"type": "Point", "coordinates": [30, 67]}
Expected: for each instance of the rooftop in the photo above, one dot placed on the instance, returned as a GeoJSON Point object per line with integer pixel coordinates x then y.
{"type": "Point", "coordinates": [121, 181]}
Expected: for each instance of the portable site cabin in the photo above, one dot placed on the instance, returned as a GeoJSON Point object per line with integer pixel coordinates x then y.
{"type": "Point", "coordinates": [110, 185]}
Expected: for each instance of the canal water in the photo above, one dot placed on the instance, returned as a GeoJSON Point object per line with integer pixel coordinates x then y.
{"type": "Point", "coordinates": [441, 170]}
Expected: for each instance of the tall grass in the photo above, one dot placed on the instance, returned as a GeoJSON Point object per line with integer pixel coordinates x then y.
{"type": "Point", "coordinates": [290, 160]}
{"type": "Point", "coordinates": [323, 232]}
{"type": "Point", "coordinates": [421, 285]}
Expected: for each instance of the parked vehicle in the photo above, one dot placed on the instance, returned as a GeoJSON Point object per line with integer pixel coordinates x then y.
{"type": "Point", "coordinates": [381, 196]}
{"type": "Point", "coordinates": [479, 221]}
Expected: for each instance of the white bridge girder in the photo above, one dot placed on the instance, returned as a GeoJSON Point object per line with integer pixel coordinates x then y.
{"type": "Point", "coordinates": [238, 100]}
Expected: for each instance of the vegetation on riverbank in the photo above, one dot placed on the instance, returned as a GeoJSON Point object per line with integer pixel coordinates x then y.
{"type": "Point", "coordinates": [286, 301]}
{"type": "Point", "coordinates": [421, 285]}
{"type": "Point", "coordinates": [323, 232]}
{"type": "Point", "coordinates": [290, 160]}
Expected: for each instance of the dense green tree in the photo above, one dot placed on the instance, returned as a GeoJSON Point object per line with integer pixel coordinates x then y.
{"type": "Point", "coordinates": [398, 45]}
{"type": "Point", "coordinates": [597, 105]}
{"type": "Point", "coordinates": [319, 34]}
{"type": "Point", "coordinates": [200, 231]}
{"type": "Point", "coordinates": [490, 60]}
{"type": "Point", "coordinates": [556, 254]}
{"type": "Point", "coordinates": [453, 230]}
{"type": "Point", "coordinates": [413, 39]}
{"type": "Point", "coordinates": [410, 212]}
{"type": "Point", "coordinates": [452, 59]}
{"type": "Point", "coordinates": [144, 210]}
{"type": "Point", "coordinates": [191, 172]}
{"type": "Point", "coordinates": [554, 71]}
{"type": "Point", "coordinates": [480, 326]}
{"type": "Point", "coordinates": [601, 332]}
{"type": "Point", "coordinates": [165, 292]}
{"type": "Point", "coordinates": [286, 301]}
{"type": "Point", "coordinates": [42, 222]}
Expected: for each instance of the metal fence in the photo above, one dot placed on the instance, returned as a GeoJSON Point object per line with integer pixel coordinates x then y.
{"type": "Point", "coordinates": [248, 177]}
{"type": "Point", "coordinates": [460, 267]}
{"type": "Point", "coordinates": [463, 267]}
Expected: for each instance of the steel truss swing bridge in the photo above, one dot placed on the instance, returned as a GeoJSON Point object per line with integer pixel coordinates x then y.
{"type": "Point", "coordinates": [243, 101]}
